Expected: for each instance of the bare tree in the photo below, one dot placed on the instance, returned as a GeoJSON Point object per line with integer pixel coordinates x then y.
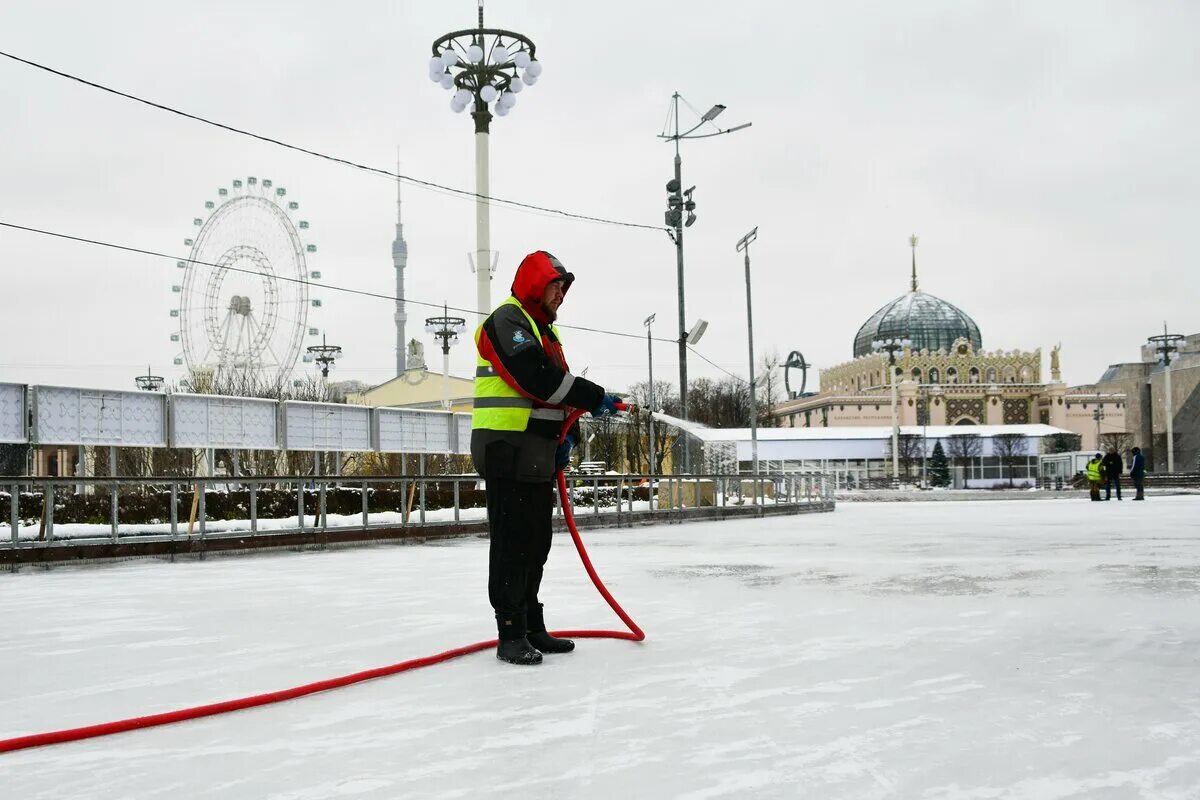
{"type": "Point", "coordinates": [1121, 442]}
{"type": "Point", "coordinates": [1010, 448]}
{"type": "Point", "coordinates": [768, 389]}
{"type": "Point", "coordinates": [638, 442]}
{"type": "Point", "coordinates": [908, 451]}
{"type": "Point", "coordinates": [962, 447]}
{"type": "Point", "coordinates": [1064, 443]}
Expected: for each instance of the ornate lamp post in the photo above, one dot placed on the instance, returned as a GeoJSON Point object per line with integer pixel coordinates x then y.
{"type": "Point", "coordinates": [1167, 343]}
{"type": "Point", "coordinates": [891, 347]}
{"type": "Point", "coordinates": [447, 329]}
{"type": "Point", "coordinates": [148, 382]}
{"type": "Point", "coordinates": [487, 66]}
{"type": "Point", "coordinates": [324, 355]}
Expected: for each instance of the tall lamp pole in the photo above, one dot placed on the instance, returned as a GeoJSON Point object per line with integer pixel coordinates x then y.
{"type": "Point", "coordinates": [891, 347]}
{"type": "Point", "coordinates": [679, 203]}
{"type": "Point", "coordinates": [650, 388]}
{"type": "Point", "coordinates": [446, 329]}
{"type": "Point", "coordinates": [487, 66]}
{"type": "Point", "coordinates": [743, 246]}
{"type": "Point", "coordinates": [1165, 344]}
{"type": "Point", "coordinates": [1098, 416]}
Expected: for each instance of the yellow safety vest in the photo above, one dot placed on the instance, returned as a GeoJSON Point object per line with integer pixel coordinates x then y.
{"type": "Point", "coordinates": [1093, 470]}
{"type": "Point", "coordinates": [498, 406]}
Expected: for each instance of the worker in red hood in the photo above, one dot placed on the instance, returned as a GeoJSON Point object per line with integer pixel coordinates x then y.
{"type": "Point", "coordinates": [523, 393]}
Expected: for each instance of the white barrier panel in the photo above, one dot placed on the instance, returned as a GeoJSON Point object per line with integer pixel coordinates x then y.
{"type": "Point", "coordinates": [13, 413]}
{"type": "Point", "coordinates": [325, 426]}
{"type": "Point", "coordinates": [202, 420]}
{"type": "Point", "coordinates": [411, 430]}
{"type": "Point", "coordinates": [464, 434]}
{"type": "Point", "coordinates": [98, 417]}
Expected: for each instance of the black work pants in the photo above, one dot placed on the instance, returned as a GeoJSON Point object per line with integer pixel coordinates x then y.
{"type": "Point", "coordinates": [1110, 482]}
{"type": "Point", "coordinates": [519, 524]}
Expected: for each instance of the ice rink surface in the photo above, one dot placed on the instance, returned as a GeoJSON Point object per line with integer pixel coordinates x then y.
{"type": "Point", "coordinates": [929, 650]}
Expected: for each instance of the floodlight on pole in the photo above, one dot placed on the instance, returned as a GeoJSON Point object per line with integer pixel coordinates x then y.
{"type": "Point", "coordinates": [1165, 344]}
{"type": "Point", "coordinates": [743, 246]}
{"type": "Point", "coordinates": [891, 347]}
{"type": "Point", "coordinates": [650, 396]}
{"type": "Point", "coordinates": [676, 221]}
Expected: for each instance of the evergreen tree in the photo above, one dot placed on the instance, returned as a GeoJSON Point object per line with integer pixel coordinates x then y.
{"type": "Point", "coordinates": [939, 466]}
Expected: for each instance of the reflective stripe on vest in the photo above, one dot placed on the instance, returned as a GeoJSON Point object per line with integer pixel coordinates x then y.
{"type": "Point", "coordinates": [498, 406]}
{"type": "Point", "coordinates": [1093, 470]}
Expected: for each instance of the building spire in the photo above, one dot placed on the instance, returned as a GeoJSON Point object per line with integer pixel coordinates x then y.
{"type": "Point", "coordinates": [912, 242]}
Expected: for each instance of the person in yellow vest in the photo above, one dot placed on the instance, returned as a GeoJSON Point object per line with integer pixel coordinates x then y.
{"type": "Point", "coordinates": [523, 393]}
{"type": "Point", "coordinates": [1095, 476]}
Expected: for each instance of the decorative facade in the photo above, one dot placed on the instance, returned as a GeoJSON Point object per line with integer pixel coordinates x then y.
{"type": "Point", "coordinates": [945, 377]}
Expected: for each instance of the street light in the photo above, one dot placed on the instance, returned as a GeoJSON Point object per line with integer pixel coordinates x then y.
{"type": "Point", "coordinates": [743, 246]}
{"type": "Point", "coordinates": [324, 355]}
{"type": "Point", "coordinates": [447, 329]}
{"type": "Point", "coordinates": [489, 67]}
{"type": "Point", "coordinates": [679, 202]}
{"type": "Point", "coordinates": [1165, 344]}
{"type": "Point", "coordinates": [891, 347]}
{"type": "Point", "coordinates": [650, 392]}
{"type": "Point", "coordinates": [148, 382]}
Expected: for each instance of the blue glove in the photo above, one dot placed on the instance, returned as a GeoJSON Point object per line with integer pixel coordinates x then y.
{"type": "Point", "coordinates": [607, 407]}
{"type": "Point", "coordinates": [562, 456]}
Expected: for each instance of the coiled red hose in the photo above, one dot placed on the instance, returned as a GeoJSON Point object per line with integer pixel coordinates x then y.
{"type": "Point", "coordinates": [152, 720]}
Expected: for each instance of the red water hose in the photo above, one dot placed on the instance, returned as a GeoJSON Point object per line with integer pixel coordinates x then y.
{"type": "Point", "coordinates": [120, 726]}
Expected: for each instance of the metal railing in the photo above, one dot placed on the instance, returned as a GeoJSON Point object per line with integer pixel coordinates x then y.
{"type": "Point", "coordinates": [90, 510]}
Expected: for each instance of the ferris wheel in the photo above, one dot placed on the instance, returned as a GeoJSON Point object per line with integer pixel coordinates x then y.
{"type": "Point", "coordinates": [244, 300]}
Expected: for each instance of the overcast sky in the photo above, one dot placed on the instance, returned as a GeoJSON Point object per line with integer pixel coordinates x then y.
{"type": "Point", "coordinates": [1044, 153]}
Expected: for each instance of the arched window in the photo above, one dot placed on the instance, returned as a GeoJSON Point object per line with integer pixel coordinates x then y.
{"type": "Point", "coordinates": [1010, 375]}
{"type": "Point", "coordinates": [1026, 375]}
{"type": "Point", "coordinates": [991, 374]}
{"type": "Point", "coordinates": [965, 421]}
{"type": "Point", "coordinates": [951, 375]}
{"type": "Point", "coordinates": [916, 374]}
{"type": "Point", "coordinates": [973, 375]}
{"type": "Point", "coordinates": [934, 376]}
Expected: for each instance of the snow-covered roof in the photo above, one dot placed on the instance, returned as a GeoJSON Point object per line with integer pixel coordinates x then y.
{"type": "Point", "coordinates": [872, 432]}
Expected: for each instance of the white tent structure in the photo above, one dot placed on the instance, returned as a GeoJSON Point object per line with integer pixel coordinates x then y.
{"type": "Point", "coordinates": [854, 454]}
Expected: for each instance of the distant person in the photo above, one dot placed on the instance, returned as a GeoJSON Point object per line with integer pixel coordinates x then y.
{"type": "Point", "coordinates": [1137, 473]}
{"type": "Point", "coordinates": [1113, 467]}
{"type": "Point", "coordinates": [1095, 475]}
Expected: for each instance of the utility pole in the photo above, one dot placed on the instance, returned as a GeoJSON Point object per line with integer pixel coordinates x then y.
{"type": "Point", "coordinates": [650, 390]}
{"type": "Point", "coordinates": [679, 202]}
{"type": "Point", "coordinates": [1168, 343]}
{"type": "Point", "coordinates": [743, 245]}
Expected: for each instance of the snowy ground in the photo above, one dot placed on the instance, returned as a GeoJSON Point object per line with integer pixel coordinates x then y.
{"type": "Point", "coordinates": [932, 650]}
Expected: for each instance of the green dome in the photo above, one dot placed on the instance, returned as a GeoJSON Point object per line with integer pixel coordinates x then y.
{"type": "Point", "coordinates": [930, 322]}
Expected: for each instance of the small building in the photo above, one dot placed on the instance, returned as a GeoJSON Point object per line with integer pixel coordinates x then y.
{"type": "Point", "coordinates": [857, 456]}
{"type": "Point", "coordinates": [417, 387]}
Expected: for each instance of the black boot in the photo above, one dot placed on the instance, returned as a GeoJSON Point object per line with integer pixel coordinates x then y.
{"type": "Point", "coordinates": [537, 633]}
{"type": "Point", "coordinates": [549, 644]}
{"type": "Point", "coordinates": [518, 651]}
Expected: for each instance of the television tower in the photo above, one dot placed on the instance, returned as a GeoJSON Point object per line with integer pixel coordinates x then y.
{"type": "Point", "coordinates": [400, 261]}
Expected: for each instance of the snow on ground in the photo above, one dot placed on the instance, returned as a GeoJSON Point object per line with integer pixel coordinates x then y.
{"type": "Point", "coordinates": [931, 650]}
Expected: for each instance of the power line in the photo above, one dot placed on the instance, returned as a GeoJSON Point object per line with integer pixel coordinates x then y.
{"type": "Point", "coordinates": [335, 159]}
{"type": "Point", "coordinates": [333, 287]}
{"type": "Point", "coordinates": [718, 366]}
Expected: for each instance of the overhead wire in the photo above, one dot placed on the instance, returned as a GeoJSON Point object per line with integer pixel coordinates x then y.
{"type": "Point", "coordinates": [329, 286]}
{"type": "Point", "coordinates": [557, 212]}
